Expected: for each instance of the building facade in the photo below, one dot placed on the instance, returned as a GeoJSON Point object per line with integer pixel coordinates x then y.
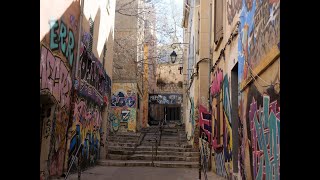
{"type": "Point", "coordinates": [75, 82]}
{"type": "Point", "coordinates": [240, 127]}
{"type": "Point", "coordinates": [129, 51]}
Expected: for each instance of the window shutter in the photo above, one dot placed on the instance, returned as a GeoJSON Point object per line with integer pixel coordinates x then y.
{"type": "Point", "coordinates": [218, 22]}
{"type": "Point", "coordinates": [91, 23]}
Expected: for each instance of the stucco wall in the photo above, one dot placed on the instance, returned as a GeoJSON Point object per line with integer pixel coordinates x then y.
{"type": "Point", "coordinates": [245, 108]}
{"type": "Point", "coordinates": [79, 104]}
{"type": "Point", "coordinates": [58, 52]}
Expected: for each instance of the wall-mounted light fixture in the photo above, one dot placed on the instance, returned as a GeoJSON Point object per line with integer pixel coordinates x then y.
{"type": "Point", "coordinates": [174, 55]}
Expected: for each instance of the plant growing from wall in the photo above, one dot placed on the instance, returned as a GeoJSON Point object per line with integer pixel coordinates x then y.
{"type": "Point", "coordinates": [161, 83]}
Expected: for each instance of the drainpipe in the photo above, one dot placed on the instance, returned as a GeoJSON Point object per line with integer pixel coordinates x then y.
{"type": "Point", "coordinates": [209, 75]}
{"type": "Point", "coordinates": [68, 135]}
{"type": "Point", "coordinates": [79, 38]}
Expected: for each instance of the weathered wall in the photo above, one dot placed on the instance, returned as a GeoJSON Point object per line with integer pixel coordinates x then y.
{"type": "Point", "coordinates": [191, 88]}
{"type": "Point", "coordinates": [77, 105]}
{"type": "Point", "coordinates": [123, 107]}
{"type": "Point", "coordinates": [259, 102]}
{"type": "Point", "coordinates": [92, 94]}
{"type": "Point", "coordinates": [169, 74]}
{"type": "Point", "coordinates": [91, 99]}
{"type": "Point", "coordinates": [256, 49]}
{"type": "Point", "coordinates": [58, 51]}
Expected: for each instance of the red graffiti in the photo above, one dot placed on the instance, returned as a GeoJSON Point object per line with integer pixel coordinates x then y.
{"type": "Point", "coordinates": [89, 117]}
{"type": "Point", "coordinates": [55, 77]}
{"type": "Point", "coordinates": [205, 123]}
{"type": "Point", "coordinates": [217, 82]}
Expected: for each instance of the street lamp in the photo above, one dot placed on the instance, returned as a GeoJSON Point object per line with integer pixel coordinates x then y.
{"type": "Point", "coordinates": [173, 56]}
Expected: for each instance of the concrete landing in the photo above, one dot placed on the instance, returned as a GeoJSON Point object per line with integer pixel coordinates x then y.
{"type": "Point", "coordinates": [141, 173]}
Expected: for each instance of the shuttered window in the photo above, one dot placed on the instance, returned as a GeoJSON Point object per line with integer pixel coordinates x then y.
{"type": "Point", "coordinates": [91, 23]}
{"type": "Point", "coordinates": [218, 21]}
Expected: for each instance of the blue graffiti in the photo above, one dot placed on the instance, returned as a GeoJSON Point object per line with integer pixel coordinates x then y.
{"type": "Point", "coordinates": [59, 40]}
{"type": "Point", "coordinates": [220, 165]}
{"type": "Point", "coordinates": [130, 101]}
{"type": "Point", "coordinates": [53, 36]}
{"type": "Point", "coordinates": [246, 18]}
{"type": "Point", "coordinates": [271, 123]}
{"type": "Point", "coordinates": [226, 98]}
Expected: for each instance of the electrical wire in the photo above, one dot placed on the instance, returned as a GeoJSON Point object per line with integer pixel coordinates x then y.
{"type": "Point", "coordinates": [256, 75]}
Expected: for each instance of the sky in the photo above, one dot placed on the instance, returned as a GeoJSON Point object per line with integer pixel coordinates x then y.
{"type": "Point", "coordinates": [167, 12]}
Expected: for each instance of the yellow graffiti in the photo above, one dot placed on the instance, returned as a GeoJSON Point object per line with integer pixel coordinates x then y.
{"type": "Point", "coordinates": [228, 165]}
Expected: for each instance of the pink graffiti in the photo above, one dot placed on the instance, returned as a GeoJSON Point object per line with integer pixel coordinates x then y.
{"type": "Point", "coordinates": [56, 166]}
{"type": "Point", "coordinates": [55, 77]}
{"type": "Point", "coordinates": [217, 82]}
{"type": "Point", "coordinates": [89, 117]}
{"type": "Point", "coordinates": [265, 137]}
{"type": "Point", "coordinates": [205, 121]}
{"type": "Point", "coordinates": [73, 22]}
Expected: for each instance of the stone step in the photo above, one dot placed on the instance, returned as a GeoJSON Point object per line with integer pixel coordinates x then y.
{"type": "Point", "coordinates": [130, 134]}
{"type": "Point", "coordinates": [164, 164]}
{"type": "Point", "coordinates": [184, 154]}
{"type": "Point", "coordinates": [149, 157]}
{"type": "Point", "coordinates": [149, 148]}
{"type": "Point", "coordinates": [123, 141]}
{"type": "Point", "coordinates": [122, 137]}
{"type": "Point", "coordinates": [122, 144]}
{"type": "Point", "coordinates": [167, 144]}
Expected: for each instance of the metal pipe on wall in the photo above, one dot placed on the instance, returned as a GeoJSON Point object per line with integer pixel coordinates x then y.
{"type": "Point", "coordinates": [79, 37]}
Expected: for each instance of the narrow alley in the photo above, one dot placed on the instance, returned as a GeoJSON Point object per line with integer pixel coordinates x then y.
{"type": "Point", "coordinates": [160, 89]}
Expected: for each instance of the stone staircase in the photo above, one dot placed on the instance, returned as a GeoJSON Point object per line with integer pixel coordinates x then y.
{"type": "Point", "coordinates": [125, 149]}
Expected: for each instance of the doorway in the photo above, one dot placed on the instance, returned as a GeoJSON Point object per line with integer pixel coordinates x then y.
{"type": "Point", "coordinates": [173, 113]}
{"type": "Point", "coordinates": [235, 116]}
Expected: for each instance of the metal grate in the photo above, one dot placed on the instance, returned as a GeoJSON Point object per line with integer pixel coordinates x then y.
{"type": "Point", "coordinates": [104, 54]}
{"type": "Point", "coordinates": [91, 23]}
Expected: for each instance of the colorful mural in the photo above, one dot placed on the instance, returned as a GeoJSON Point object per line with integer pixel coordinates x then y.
{"type": "Point", "coordinates": [87, 121]}
{"type": "Point", "coordinates": [58, 50]}
{"type": "Point", "coordinates": [222, 131]}
{"type": "Point", "coordinates": [259, 106]}
{"type": "Point", "coordinates": [259, 33]}
{"type": "Point", "coordinates": [123, 107]}
{"type": "Point", "coordinates": [260, 138]}
{"type": "Point", "coordinates": [94, 82]}
{"type": "Point", "coordinates": [165, 98]}
{"type": "Point", "coordinates": [93, 91]}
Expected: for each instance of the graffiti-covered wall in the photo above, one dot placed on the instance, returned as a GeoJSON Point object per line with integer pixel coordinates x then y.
{"type": "Point", "coordinates": [58, 51]}
{"type": "Point", "coordinates": [75, 89]}
{"type": "Point", "coordinates": [221, 122]}
{"type": "Point", "coordinates": [259, 101]}
{"type": "Point", "coordinates": [93, 93]}
{"type": "Point", "coordinates": [123, 107]}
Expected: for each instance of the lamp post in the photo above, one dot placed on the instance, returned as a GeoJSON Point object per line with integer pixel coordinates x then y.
{"type": "Point", "coordinates": [173, 56]}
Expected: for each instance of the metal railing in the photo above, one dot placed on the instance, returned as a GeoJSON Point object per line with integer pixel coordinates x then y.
{"type": "Point", "coordinates": [156, 141]}
{"type": "Point", "coordinates": [74, 156]}
{"type": "Point", "coordinates": [203, 161]}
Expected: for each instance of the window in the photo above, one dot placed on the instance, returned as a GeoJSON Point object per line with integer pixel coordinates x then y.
{"type": "Point", "coordinates": [91, 23]}
{"type": "Point", "coordinates": [108, 7]}
{"type": "Point", "coordinates": [104, 54]}
{"type": "Point", "coordinates": [198, 35]}
{"type": "Point", "coordinates": [218, 21]}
